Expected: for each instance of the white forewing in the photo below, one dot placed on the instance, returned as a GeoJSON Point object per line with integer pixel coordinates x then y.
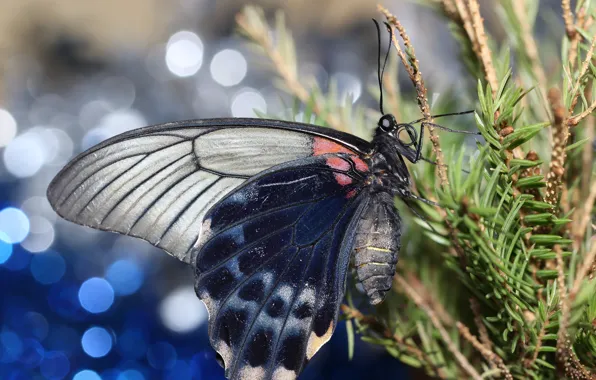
{"type": "Point", "coordinates": [158, 184]}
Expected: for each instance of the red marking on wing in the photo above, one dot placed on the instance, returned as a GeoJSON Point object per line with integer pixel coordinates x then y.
{"type": "Point", "coordinates": [360, 164]}
{"type": "Point", "coordinates": [338, 163]}
{"type": "Point", "coordinates": [351, 193]}
{"type": "Point", "coordinates": [342, 179]}
{"type": "Point", "coordinates": [324, 146]}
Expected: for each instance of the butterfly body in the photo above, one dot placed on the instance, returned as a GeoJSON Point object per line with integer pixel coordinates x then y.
{"type": "Point", "coordinates": [377, 245]}
{"type": "Point", "coordinates": [268, 214]}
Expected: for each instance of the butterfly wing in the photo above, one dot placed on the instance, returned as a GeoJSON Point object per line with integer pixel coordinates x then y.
{"type": "Point", "coordinates": [273, 261]}
{"type": "Point", "coordinates": [157, 183]}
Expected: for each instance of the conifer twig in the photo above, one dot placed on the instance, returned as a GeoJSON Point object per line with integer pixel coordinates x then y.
{"type": "Point", "coordinates": [489, 355]}
{"type": "Point", "coordinates": [484, 337]}
{"type": "Point", "coordinates": [529, 43]}
{"type": "Point", "coordinates": [568, 19]}
{"type": "Point", "coordinates": [259, 33]}
{"type": "Point", "coordinates": [484, 51]}
{"type": "Point", "coordinates": [466, 22]}
{"type": "Point", "coordinates": [560, 132]}
{"type": "Point", "coordinates": [576, 91]}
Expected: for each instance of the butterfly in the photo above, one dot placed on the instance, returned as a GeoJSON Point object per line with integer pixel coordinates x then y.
{"type": "Point", "coordinates": [268, 214]}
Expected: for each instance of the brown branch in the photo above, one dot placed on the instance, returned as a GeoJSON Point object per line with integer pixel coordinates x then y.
{"type": "Point", "coordinates": [588, 153]}
{"type": "Point", "coordinates": [430, 299]}
{"type": "Point", "coordinates": [451, 346]}
{"type": "Point", "coordinates": [466, 21]}
{"type": "Point", "coordinates": [564, 302]}
{"type": "Point", "coordinates": [413, 68]}
{"type": "Point", "coordinates": [449, 8]}
{"type": "Point", "coordinates": [568, 19]}
{"type": "Point", "coordinates": [573, 121]}
{"type": "Point", "coordinates": [489, 355]}
{"type": "Point", "coordinates": [484, 337]}
{"type": "Point", "coordinates": [558, 155]}
{"type": "Point", "coordinates": [530, 362]}
{"type": "Point", "coordinates": [481, 38]}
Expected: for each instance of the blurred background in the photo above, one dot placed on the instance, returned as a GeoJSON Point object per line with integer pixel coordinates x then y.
{"type": "Point", "coordinates": [81, 304]}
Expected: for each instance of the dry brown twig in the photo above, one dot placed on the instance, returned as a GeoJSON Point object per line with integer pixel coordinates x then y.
{"type": "Point", "coordinates": [413, 69]}
{"type": "Point", "coordinates": [430, 299]}
{"type": "Point", "coordinates": [484, 50]}
{"type": "Point", "coordinates": [588, 153]}
{"type": "Point", "coordinates": [560, 132]}
{"type": "Point", "coordinates": [466, 22]}
{"type": "Point", "coordinates": [488, 355]}
{"type": "Point", "coordinates": [451, 346]}
{"type": "Point", "coordinates": [484, 337]}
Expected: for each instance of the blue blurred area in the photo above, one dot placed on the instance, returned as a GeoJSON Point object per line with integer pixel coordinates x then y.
{"type": "Point", "coordinates": [49, 331]}
{"type": "Point", "coordinates": [87, 305]}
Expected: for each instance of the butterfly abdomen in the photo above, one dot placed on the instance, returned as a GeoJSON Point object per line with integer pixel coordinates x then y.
{"type": "Point", "coordinates": [376, 246]}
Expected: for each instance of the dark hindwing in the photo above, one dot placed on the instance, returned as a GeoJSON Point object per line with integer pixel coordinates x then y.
{"type": "Point", "coordinates": [157, 183]}
{"type": "Point", "coordinates": [273, 261]}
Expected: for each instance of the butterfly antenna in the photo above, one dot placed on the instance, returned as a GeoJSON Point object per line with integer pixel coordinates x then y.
{"type": "Point", "coordinates": [381, 71]}
{"type": "Point", "coordinates": [424, 200]}
{"type": "Point", "coordinates": [420, 216]}
{"type": "Point", "coordinates": [443, 115]}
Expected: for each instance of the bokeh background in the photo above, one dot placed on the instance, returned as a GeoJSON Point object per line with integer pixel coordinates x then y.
{"type": "Point", "coordinates": [86, 305]}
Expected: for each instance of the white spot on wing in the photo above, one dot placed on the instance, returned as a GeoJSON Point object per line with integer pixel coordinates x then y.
{"type": "Point", "coordinates": [285, 292]}
{"type": "Point", "coordinates": [251, 373]}
{"type": "Point", "coordinates": [284, 374]}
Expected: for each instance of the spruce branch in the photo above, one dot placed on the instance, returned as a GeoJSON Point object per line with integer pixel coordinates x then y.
{"type": "Point", "coordinates": [505, 240]}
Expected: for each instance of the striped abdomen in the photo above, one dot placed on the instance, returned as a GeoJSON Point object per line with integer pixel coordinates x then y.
{"type": "Point", "coordinates": [376, 246]}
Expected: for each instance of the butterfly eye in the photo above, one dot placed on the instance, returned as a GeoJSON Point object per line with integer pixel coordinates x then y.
{"type": "Point", "coordinates": [387, 123]}
{"type": "Point", "coordinates": [407, 134]}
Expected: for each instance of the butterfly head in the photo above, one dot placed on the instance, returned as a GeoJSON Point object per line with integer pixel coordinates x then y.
{"type": "Point", "coordinates": [404, 134]}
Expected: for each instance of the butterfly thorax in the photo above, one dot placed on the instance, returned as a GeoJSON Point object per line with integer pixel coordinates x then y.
{"type": "Point", "coordinates": [388, 170]}
{"type": "Point", "coordinates": [376, 245]}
